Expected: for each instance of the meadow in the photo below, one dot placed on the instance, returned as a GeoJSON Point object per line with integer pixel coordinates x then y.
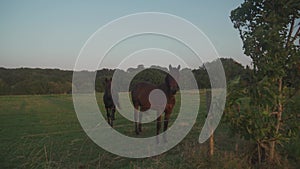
{"type": "Point", "coordinates": [42, 131]}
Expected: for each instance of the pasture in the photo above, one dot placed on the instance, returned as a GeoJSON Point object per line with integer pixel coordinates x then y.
{"type": "Point", "coordinates": [42, 131]}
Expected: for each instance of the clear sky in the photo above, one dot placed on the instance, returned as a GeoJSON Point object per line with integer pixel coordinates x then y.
{"type": "Point", "coordinates": [50, 34]}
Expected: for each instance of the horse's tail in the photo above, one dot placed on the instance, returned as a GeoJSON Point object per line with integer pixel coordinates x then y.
{"type": "Point", "coordinates": [117, 103]}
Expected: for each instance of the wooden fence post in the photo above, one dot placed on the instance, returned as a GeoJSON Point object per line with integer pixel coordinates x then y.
{"type": "Point", "coordinates": [211, 138]}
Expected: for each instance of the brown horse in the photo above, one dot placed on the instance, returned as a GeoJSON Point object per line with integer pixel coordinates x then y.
{"type": "Point", "coordinates": [108, 101]}
{"type": "Point", "coordinates": [140, 99]}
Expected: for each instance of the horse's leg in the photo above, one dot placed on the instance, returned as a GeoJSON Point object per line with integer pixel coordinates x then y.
{"type": "Point", "coordinates": [108, 115]}
{"type": "Point", "coordinates": [140, 121]}
{"type": "Point", "coordinates": [141, 117]}
{"type": "Point", "coordinates": [158, 126]}
{"type": "Point", "coordinates": [136, 117]}
{"type": "Point", "coordinates": [112, 117]}
{"type": "Point", "coordinates": [113, 110]}
{"type": "Point", "coordinates": [112, 114]}
{"type": "Point", "coordinates": [166, 122]}
{"type": "Point", "coordinates": [111, 123]}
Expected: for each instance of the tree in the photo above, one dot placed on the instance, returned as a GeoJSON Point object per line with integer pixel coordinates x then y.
{"type": "Point", "coordinates": [4, 88]}
{"type": "Point", "coordinates": [270, 32]}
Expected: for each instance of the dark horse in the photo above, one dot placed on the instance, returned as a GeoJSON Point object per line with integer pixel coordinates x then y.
{"type": "Point", "coordinates": [140, 99]}
{"type": "Point", "coordinates": [109, 103]}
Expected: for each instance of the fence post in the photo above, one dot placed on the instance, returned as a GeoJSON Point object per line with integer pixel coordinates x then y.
{"type": "Point", "coordinates": [211, 138]}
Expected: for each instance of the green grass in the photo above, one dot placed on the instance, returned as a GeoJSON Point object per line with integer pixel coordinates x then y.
{"type": "Point", "coordinates": [44, 132]}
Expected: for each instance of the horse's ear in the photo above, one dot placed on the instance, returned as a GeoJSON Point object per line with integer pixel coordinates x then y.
{"type": "Point", "coordinates": [178, 67]}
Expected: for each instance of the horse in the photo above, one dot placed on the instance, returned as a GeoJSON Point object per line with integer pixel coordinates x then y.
{"type": "Point", "coordinates": [140, 99]}
{"type": "Point", "coordinates": [110, 106]}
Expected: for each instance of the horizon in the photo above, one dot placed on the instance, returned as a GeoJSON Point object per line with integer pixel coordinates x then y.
{"type": "Point", "coordinates": [136, 67]}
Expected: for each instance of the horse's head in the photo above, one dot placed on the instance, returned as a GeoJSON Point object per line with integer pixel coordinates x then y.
{"type": "Point", "coordinates": [172, 78]}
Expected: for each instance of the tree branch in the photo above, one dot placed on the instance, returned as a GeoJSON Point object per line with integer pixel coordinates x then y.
{"type": "Point", "coordinates": [296, 35]}
{"type": "Point", "coordinates": [290, 32]}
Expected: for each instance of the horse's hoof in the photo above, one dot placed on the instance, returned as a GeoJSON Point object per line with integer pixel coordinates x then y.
{"type": "Point", "coordinates": [165, 138]}
{"type": "Point", "coordinates": [157, 141]}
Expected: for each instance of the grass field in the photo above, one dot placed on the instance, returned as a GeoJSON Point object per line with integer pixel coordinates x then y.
{"type": "Point", "coordinates": [43, 132]}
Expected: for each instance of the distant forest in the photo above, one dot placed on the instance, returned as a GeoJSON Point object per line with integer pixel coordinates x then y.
{"type": "Point", "coordinates": [25, 81]}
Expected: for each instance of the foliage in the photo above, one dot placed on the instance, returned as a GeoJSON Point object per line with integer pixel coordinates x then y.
{"type": "Point", "coordinates": [270, 31]}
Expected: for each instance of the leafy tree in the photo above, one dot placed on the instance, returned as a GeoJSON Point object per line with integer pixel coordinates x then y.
{"type": "Point", "coordinates": [201, 77]}
{"type": "Point", "coordinates": [270, 32]}
{"type": "Point", "coordinates": [4, 88]}
{"type": "Point", "coordinates": [232, 68]}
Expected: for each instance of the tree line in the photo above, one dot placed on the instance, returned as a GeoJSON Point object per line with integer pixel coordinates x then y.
{"type": "Point", "coordinates": [31, 81]}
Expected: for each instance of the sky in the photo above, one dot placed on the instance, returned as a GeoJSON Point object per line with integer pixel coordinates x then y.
{"type": "Point", "coordinates": [50, 34]}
